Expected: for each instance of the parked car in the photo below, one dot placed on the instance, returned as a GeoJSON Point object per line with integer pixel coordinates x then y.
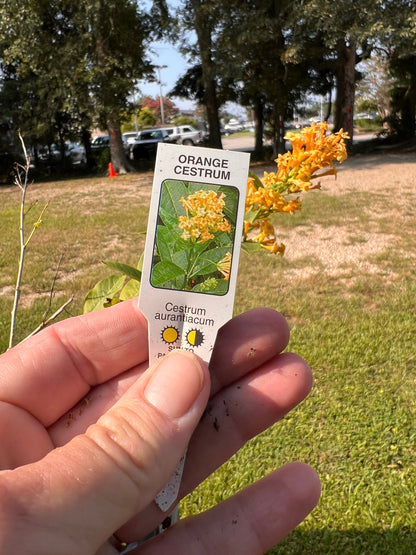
{"type": "Point", "coordinates": [100, 141]}
{"type": "Point", "coordinates": [74, 152]}
{"type": "Point", "coordinates": [184, 134]}
{"type": "Point", "coordinates": [232, 126]}
{"type": "Point", "coordinates": [130, 137]}
{"type": "Point", "coordinates": [145, 146]}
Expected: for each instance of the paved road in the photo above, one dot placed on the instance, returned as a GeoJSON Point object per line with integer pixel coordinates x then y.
{"type": "Point", "coordinates": [247, 143]}
{"type": "Point", "coordinates": [238, 143]}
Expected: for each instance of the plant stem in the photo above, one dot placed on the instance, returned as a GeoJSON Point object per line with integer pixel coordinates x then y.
{"type": "Point", "coordinates": [23, 187]}
{"type": "Point", "coordinates": [45, 322]}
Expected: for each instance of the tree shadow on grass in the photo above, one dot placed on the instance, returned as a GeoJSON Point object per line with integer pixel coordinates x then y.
{"type": "Point", "coordinates": [393, 541]}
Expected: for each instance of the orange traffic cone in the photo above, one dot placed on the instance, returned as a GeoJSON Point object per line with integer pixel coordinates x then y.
{"type": "Point", "coordinates": [111, 171]}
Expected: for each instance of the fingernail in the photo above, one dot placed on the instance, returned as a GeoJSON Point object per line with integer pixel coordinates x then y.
{"type": "Point", "coordinates": [175, 384]}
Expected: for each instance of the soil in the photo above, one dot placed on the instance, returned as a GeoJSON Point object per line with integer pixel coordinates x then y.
{"type": "Point", "coordinates": [391, 179]}
{"type": "Point", "coordinates": [389, 176]}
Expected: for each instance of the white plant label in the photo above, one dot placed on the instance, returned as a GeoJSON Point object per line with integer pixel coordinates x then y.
{"type": "Point", "coordinates": [191, 254]}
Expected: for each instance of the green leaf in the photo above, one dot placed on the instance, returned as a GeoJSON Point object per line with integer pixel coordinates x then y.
{"type": "Point", "coordinates": [256, 179]}
{"type": "Point", "coordinates": [130, 290]}
{"type": "Point", "coordinates": [231, 203]}
{"type": "Point", "coordinates": [169, 241]}
{"type": "Point", "coordinates": [250, 246]}
{"type": "Point", "coordinates": [251, 215]}
{"type": "Point", "coordinates": [112, 302]}
{"type": "Point", "coordinates": [125, 269]}
{"type": "Point", "coordinates": [220, 289]}
{"type": "Point", "coordinates": [140, 263]}
{"type": "Point", "coordinates": [170, 220]}
{"type": "Point", "coordinates": [224, 239]}
{"type": "Point", "coordinates": [181, 259]}
{"type": "Point", "coordinates": [207, 262]}
{"type": "Point", "coordinates": [195, 187]}
{"type": "Point", "coordinates": [172, 193]}
{"type": "Point", "coordinates": [165, 271]}
{"type": "Point", "coordinates": [103, 290]}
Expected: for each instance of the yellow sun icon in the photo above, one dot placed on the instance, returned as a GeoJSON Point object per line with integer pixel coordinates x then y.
{"type": "Point", "coordinates": [195, 338]}
{"type": "Point", "coordinates": [170, 335]}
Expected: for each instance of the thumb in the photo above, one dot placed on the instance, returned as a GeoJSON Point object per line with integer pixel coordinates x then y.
{"type": "Point", "coordinates": [78, 495]}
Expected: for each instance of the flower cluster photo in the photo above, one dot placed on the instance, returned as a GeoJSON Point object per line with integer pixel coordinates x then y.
{"type": "Point", "coordinates": [195, 237]}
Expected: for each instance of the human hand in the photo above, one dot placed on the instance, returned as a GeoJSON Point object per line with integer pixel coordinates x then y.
{"type": "Point", "coordinates": [92, 435]}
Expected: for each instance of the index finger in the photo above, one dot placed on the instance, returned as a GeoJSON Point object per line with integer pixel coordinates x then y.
{"type": "Point", "coordinates": [50, 372]}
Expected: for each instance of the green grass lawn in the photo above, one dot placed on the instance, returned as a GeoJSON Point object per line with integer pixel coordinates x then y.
{"type": "Point", "coordinates": [355, 326]}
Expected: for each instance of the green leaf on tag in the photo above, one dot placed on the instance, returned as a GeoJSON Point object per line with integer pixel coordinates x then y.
{"type": "Point", "coordinates": [165, 271]}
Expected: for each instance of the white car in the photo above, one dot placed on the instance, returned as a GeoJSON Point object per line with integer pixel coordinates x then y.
{"type": "Point", "coordinates": [184, 134]}
{"type": "Point", "coordinates": [76, 153]}
{"type": "Point", "coordinates": [233, 125]}
{"type": "Point", "coordinates": [129, 137]}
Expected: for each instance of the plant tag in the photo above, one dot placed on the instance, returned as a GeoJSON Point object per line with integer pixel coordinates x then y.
{"type": "Point", "coordinates": [191, 254]}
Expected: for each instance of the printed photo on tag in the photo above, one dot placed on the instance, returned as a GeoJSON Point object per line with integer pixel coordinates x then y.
{"type": "Point", "coordinates": [195, 233]}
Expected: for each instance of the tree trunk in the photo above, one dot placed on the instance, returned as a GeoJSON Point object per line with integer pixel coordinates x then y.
{"type": "Point", "coordinates": [409, 109]}
{"type": "Point", "coordinates": [259, 124]}
{"type": "Point", "coordinates": [344, 106]}
{"type": "Point", "coordinates": [279, 142]}
{"type": "Point", "coordinates": [86, 141]}
{"type": "Point", "coordinates": [329, 109]}
{"type": "Point", "coordinates": [118, 156]}
{"type": "Point", "coordinates": [203, 33]}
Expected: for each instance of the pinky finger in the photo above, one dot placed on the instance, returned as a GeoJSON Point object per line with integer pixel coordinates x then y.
{"type": "Point", "coordinates": [250, 522]}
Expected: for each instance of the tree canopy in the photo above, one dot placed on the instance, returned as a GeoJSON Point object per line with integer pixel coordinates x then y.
{"type": "Point", "coordinates": [73, 65]}
{"type": "Point", "coordinates": [67, 67]}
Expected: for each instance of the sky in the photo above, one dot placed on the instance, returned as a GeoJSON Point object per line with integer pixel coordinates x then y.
{"type": "Point", "coordinates": [164, 54]}
{"type": "Point", "coordinates": [167, 55]}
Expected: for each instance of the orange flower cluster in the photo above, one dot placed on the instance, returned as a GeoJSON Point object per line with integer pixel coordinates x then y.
{"type": "Point", "coordinates": [312, 150]}
{"type": "Point", "coordinates": [204, 216]}
{"type": "Point", "coordinates": [313, 155]}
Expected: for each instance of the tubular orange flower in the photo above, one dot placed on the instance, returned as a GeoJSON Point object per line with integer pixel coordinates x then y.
{"type": "Point", "coordinates": [224, 266]}
{"type": "Point", "coordinates": [275, 248]}
{"type": "Point", "coordinates": [314, 154]}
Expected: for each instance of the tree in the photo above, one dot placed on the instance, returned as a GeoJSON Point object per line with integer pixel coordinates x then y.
{"type": "Point", "coordinates": [114, 35]}
{"type": "Point", "coordinates": [273, 58]}
{"type": "Point", "coordinates": [200, 17]}
{"type": "Point", "coordinates": [250, 52]}
{"type": "Point", "coordinates": [170, 111]}
{"type": "Point", "coordinates": [81, 58]}
{"type": "Point", "coordinates": [146, 117]}
{"type": "Point", "coordinates": [351, 31]}
{"type": "Point", "coordinates": [373, 92]}
{"type": "Point", "coordinates": [204, 23]}
{"type": "Point", "coordinates": [399, 41]}
{"type": "Point", "coordinates": [37, 68]}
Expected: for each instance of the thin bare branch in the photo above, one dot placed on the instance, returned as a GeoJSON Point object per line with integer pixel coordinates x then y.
{"type": "Point", "coordinates": [36, 224]}
{"type": "Point", "coordinates": [55, 315]}
{"type": "Point", "coordinates": [22, 184]}
{"type": "Point", "coordinates": [21, 180]}
{"type": "Point", "coordinates": [52, 290]}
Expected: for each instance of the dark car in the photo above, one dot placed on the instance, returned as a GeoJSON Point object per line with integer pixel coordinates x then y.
{"type": "Point", "coordinates": [100, 141]}
{"type": "Point", "coordinates": [145, 146]}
